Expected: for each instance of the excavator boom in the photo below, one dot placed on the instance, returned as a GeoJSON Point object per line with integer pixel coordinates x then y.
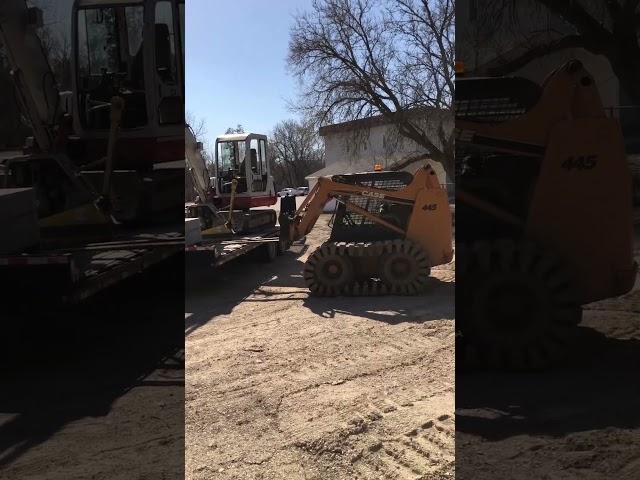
{"type": "Point", "coordinates": [35, 81]}
{"type": "Point", "coordinates": [197, 165]}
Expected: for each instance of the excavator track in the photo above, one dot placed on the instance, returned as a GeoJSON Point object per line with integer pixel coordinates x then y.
{"type": "Point", "coordinates": [393, 267]}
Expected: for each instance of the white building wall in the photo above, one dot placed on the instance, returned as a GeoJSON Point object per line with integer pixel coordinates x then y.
{"type": "Point", "coordinates": [363, 150]}
{"type": "Point", "coordinates": [373, 146]}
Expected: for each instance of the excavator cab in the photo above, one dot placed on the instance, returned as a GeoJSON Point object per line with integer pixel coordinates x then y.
{"type": "Point", "coordinates": [110, 59]}
{"type": "Point", "coordinates": [112, 148]}
{"type": "Point", "coordinates": [242, 172]}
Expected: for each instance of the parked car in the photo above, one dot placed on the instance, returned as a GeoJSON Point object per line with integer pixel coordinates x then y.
{"type": "Point", "coordinates": [303, 191]}
{"type": "Point", "coordinates": [291, 192]}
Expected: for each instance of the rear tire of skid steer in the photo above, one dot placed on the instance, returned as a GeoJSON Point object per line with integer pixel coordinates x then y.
{"type": "Point", "coordinates": [520, 311]}
{"type": "Point", "coordinates": [405, 270]}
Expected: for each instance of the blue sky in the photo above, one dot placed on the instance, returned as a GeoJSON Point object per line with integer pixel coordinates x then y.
{"type": "Point", "coordinates": [236, 63]}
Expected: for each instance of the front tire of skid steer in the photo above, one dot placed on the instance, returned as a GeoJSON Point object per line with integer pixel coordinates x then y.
{"type": "Point", "coordinates": [519, 311]}
{"type": "Point", "coordinates": [327, 271]}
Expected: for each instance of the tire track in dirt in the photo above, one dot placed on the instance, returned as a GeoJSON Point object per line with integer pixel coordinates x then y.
{"type": "Point", "coordinates": [425, 450]}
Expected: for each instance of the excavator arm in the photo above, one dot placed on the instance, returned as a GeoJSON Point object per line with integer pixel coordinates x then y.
{"type": "Point", "coordinates": [37, 89]}
{"type": "Point", "coordinates": [197, 165]}
{"type": "Point", "coordinates": [32, 74]}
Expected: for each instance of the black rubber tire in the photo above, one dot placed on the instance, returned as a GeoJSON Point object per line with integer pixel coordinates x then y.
{"type": "Point", "coordinates": [283, 246]}
{"type": "Point", "coordinates": [516, 307]}
{"type": "Point", "coordinates": [327, 271]}
{"type": "Point", "coordinates": [405, 269]}
{"type": "Point", "coordinates": [269, 251]}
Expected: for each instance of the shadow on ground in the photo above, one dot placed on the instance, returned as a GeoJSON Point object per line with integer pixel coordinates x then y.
{"type": "Point", "coordinates": [597, 389]}
{"type": "Point", "coordinates": [75, 364]}
{"type": "Point", "coordinates": [215, 292]}
{"type": "Point", "coordinates": [435, 303]}
{"type": "Point", "coordinates": [211, 292]}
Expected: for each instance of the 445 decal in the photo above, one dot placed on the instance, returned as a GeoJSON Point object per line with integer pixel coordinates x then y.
{"type": "Point", "coordinates": [580, 162]}
{"type": "Point", "coordinates": [367, 193]}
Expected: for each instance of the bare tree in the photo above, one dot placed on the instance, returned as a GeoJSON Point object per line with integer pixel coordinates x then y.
{"type": "Point", "coordinates": [55, 37]}
{"type": "Point", "coordinates": [198, 125]}
{"type": "Point", "coordinates": [610, 28]}
{"type": "Point", "coordinates": [58, 49]}
{"type": "Point", "coordinates": [295, 151]}
{"type": "Point", "coordinates": [359, 58]}
{"type": "Point", "coordinates": [237, 129]}
{"type": "Point", "coordinates": [199, 128]}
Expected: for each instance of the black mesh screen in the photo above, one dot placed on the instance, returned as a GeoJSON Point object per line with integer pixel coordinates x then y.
{"type": "Point", "coordinates": [353, 226]}
{"type": "Point", "coordinates": [494, 99]}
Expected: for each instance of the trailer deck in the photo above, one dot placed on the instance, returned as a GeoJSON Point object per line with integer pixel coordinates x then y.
{"type": "Point", "coordinates": [222, 249]}
{"type": "Point", "coordinates": [71, 274]}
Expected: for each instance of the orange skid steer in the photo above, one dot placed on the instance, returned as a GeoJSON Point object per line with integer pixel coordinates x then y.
{"type": "Point", "coordinates": [389, 229]}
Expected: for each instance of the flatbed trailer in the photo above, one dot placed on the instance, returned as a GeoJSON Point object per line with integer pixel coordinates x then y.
{"type": "Point", "coordinates": [218, 250]}
{"type": "Point", "coordinates": [71, 274]}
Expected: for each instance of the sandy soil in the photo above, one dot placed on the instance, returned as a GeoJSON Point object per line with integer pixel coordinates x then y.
{"type": "Point", "coordinates": [577, 422]}
{"type": "Point", "coordinates": [284, 386]}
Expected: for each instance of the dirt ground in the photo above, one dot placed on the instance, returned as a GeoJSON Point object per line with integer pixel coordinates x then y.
{"type": "Point", "coordinates": [281, 385]}
{"type": "Point", "coordinates": [581, 421]}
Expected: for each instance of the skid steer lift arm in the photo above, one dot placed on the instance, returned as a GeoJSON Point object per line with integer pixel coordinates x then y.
{"type": "Point", "coordinates": [568, 95]}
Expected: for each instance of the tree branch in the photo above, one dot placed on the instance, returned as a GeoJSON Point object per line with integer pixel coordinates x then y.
{"type": "Point", "coordinates": [502, 65]}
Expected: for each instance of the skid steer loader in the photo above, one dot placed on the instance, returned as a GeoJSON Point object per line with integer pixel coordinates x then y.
{"type": "Point", "coordinates": [389, 229]}
{"type": "Point", "coordinates": [544, 225]}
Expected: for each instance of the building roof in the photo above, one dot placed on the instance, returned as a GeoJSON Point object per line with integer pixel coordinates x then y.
{"type": "Point", "coordinates": [232, 137]}
{"type": "Point", "coordinates": [368, 122]}
{"type": "Point", "coordinates": [359, 166]}
{"type": "Point", "coordinates": [98, 3]}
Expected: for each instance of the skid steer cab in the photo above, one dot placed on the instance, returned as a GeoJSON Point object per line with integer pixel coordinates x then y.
{"type": "Point", "coordinates": [242, 176]}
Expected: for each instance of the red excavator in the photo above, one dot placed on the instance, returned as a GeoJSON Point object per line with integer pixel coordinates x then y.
{"type": "Point", "coordinates": [98, 193]}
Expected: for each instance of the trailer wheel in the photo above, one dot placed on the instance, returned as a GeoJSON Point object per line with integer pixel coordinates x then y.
{"type": "Point", "coordinates": [270, 251]}
{"type": "Point", "coordinates": [283, 246]}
